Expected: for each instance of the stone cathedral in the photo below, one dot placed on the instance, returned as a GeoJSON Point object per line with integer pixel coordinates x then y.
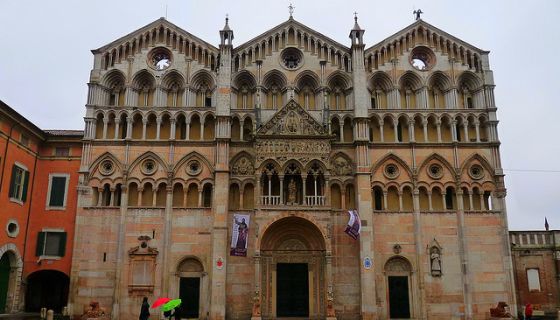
{"type": "Point", "coordinates": [297, 134]}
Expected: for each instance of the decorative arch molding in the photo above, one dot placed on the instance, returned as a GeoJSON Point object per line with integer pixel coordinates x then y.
{"type": "Point", "coordinates": [438, 158]}
{"type": "Point", "coordinates": [147, 155]}
{"type": "Point", "coordinates": [202, 77]}
{"type": "Point", "coordinates": [483, 162]}
{"type": "Point", "coordinates": [113, 78]}
{"type": "Point", "coordinates": [173, 77]}
{"type": "Point", "coordinates": [470, 80]}
{"type": "Point", "coordinates": [274, 77]}
{"type": "Point", "coordinates": [339, 77]}
{"type": "Point", "coordinates": [412, 78]}
{"type": "Point", "coordinates": [394, 157]}
{"type": "Point", "coordinates": [324, 233]}
{"type": "Point", "coordinates": [381, 79]}
{"type": "Point", "coordinates": [190, 156]}
{"type": "Point", "coordinates": [142, 78]}
{"type": "Point", "coordinates": [304, 76]}
{"type": "Point", "coordinates": [93, 168]}
{"type": "Point", "coordinates": [342, 164]}
{"type": "Point", "coordinates": [189, 258]}
{"type": "Point", "coordinates": [235, 168]}
{"type": "Point", "coordinates": [243, 77]}
{"type": "Point", "coordinates": [397, 264]}
{"type": "Point", "coordinates": [438, 78]}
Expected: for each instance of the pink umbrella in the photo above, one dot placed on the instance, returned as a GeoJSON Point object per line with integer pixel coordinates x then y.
{"type": "Point", "coordinates": [160, 302]}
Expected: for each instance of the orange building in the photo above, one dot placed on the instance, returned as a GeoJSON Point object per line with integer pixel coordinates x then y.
{"type": "Point", "coordinates": [38, 194]}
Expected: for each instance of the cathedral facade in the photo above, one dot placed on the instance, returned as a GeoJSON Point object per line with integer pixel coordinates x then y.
{"type": "Point", "coordinates": [292, 176]}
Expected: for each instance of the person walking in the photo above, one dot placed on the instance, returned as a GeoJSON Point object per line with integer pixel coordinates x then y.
{"type": "Point", "coordinates": [145, 310]}
{"type": "Point", "coordinates": [528, 311]}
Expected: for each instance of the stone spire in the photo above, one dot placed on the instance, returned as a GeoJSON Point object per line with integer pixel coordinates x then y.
{"type": "Point", "coordinates": [226, 34]}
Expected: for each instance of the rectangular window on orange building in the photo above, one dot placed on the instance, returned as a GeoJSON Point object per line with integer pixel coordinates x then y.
{"type": "Point", "coordinates": [51, 244]}
{"type": "Point", "coordinates": [61, 151]}
{"type": "Point", "coordinates": [18, 183]}
{"type": "Point", "coordinates": [56, 194]}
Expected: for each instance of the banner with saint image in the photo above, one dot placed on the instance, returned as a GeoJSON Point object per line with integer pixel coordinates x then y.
{"type": "Point", "coordinates": [239, 235]}
{"type": "Point", "coordinates": [354, 225]}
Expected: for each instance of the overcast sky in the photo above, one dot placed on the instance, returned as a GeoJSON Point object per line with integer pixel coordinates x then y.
{"type": "Point", "coordinates": [45, 61]}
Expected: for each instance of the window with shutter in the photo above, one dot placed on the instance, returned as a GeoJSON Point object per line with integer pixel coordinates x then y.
{"type": "Point", "coordinates": [18, 183]}
{"type": "Point", "coordinates": [51, 244]}
{"type": "Point", "coordinates": [57, 191]}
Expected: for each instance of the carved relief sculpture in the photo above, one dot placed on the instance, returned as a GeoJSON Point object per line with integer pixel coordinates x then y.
{"type": "Point", "coordinates": [342, 167]}
{"type": "Point", "coordinates": [292, 192]}
{"type": "Point", "coordinates": [243, 167]}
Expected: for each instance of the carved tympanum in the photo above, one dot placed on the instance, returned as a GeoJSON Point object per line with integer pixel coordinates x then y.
{"type": "Point", "coordinates": [243, 167]}
{"type": "Point", "coordinates": [341, 166]}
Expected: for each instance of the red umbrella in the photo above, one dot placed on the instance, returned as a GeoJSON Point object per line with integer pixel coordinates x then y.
{"type": "Point", "coordinates": [160, 302]}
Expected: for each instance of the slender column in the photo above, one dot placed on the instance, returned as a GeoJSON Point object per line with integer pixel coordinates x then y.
{"type": "Point", "coordinates": [200, 198]}
{"type": "Point", "coordinates": [384, 200]}
{"type": "Point", "coordinates": [418, 247]}
{"type": "Point", "coordinates": [140, 191]}
{"type": "Point", "coordinates": [154, 197]}
{"type": "Point", "coordinates": [241, 129]}
{"type": "Point", "coordinates": [117, 129]}
{"type": "Point", "coordinates": [304, 189]}
{"type": "Point", "coordinates": [158, 127]}
{"type": "Point", "coordinates": [187, 134]}
{"type": "Point", "coordinates": [463, 254]}
{"type": "Point", "coordinates": [411, 131]}
{"type": "Point", "coordinates": [129, 128]}
{"type": "Point", "coordinates": [466, 130]}
{"type": "Point", "coordinates": [144, 123]}
{"type": "Point", "coordinates": [396, 131]}
{"type": "Point", "coordinates": [400, 201]}
{"type": "Point", "coordinates": [443, 201]}
{"type": "Point", "coordinates": [430, 207]}
{"type": "Point", "coordinates": [112, 200]}
{"type": "Point", "coordinates": [482, 206]}
{"type": "Point", "coordinates": [438, 124]}
{"type": "Point", "coordinates": [173, 129]}
{"type": "Point", "coordinates": [201, 130]}
{"type": "Point", "coordinates": [381, 123]}
{"type": "Point", "coordinates": [281, 189]}
{"type": "Point", "coordinates": [100, 197]}
{"type": "Point", "coordinates": [477, 128]}
{"type": "Point", "coordinates": [105, 124]}
{"type": "Point", "coordinates": [425, 127]}
{"type": "Point", "coordinates": [454, 131]}
{"type": "Point", "coordinates": [184, 197]}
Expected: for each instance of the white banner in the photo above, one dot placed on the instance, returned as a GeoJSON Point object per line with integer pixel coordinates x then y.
{"type": "Point", "coordinates": [239, 235]}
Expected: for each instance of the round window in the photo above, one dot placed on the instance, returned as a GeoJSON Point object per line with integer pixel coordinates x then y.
{"type": "Point", "coordinates": [149, 166]}
{"type": "Point", "coordinates": [476, 171]}
{"type": "Point", "coordinates": [435, 171]}
{"type": "Point", "coordinates": [391, 171]}
{"type": "Point", "coordinates": [159, 59]}
{"type": "Point", "coordinates": [107, 167]}
{"type": "Point", "coordinates": [291, 58]}
{"type": "Point", "coordinates": [194, 167]}
{"type": "Point", "coordinates": [12, 228]}
{"type": "Point", "coordinates": [422, 58]}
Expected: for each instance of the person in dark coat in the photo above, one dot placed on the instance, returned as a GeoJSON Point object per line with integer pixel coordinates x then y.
{"type": "Point", "coordinates": [528, 311]}
{"type": "Point", "coordinates": [145, 309]}
{"type": "Point", "coordinates": [177, 313]}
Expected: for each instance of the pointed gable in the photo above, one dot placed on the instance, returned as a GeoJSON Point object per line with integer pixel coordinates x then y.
{"type": "Point", "coordinates": [298, 28]}
{"type": "Point", "coordinates": [175, 37]}
{"type": "Point", "coordinates": [292, 120]}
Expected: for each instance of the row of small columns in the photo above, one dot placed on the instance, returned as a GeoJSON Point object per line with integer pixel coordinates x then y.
{"type": "Point", "coordinates": [430, 207]}
{"type": "Point", "coordinates": [90, 132]}
{"type": "Point", "coordinates": [304, 182]}
{"type": "Point", "coordinates": [412, 137]}
{"type": "Point", "coordinates": [154, 196]}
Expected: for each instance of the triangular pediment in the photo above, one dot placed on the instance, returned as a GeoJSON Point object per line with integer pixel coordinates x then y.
{"type": "Point", "coordinates": [160, 23]}
{"type": "Point", "coordinates": [294, 25]}
{"type": "Point", "coordinates": [422, 25]}
{"type": "Point", "coordinates": [292, 120]}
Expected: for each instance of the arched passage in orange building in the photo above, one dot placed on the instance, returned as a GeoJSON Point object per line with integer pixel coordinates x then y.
{"type": "Point", "coordinates": [46, 288]}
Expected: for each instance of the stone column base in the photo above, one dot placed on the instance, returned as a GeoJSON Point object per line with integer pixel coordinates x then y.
{"type": "Point", "coordinates": [256, 318]}
{"type": "Point", "coordinates": [331, 318]}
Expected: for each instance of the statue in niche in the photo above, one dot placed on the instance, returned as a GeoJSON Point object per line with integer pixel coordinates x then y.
{"type": "Point", "coordinates": [435, 261]}
{"type": "Point", "coordinates": [292, 192]}
{"type": "Point", "coordinates": [292, 123]}
{"type": "Point", "coordinates": [342, 167]}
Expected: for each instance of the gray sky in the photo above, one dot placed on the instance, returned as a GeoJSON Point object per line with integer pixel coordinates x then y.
{"type": "Point", "coordinates": [45, 62]}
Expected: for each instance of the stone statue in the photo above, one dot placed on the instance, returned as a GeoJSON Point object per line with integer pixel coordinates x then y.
{"type": "Point", "coordinates": [417, 13]}
{"type": "Point", "coordinates": [256, 312]}
{"type": "Point", "coordinates": [435, 262]}
{"type": "Point", "coordinates": [330, 305]}
{"type": "Point", "coordinates": [292, 191]}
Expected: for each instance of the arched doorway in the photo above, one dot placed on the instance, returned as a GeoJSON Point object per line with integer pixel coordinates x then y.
{"type": "Point", "coordinates": [399, 288]}
{"type": "Point", "coordinates": [192, 288]}
{"type": "Point", "coordinates": [46, 288]}
{"type": "Point", "coordinates": [293, 270]}
{"type": "Point", "coordinates": [10, 273]}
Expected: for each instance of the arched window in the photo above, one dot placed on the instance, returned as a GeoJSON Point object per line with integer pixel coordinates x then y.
{"type": "Point", "coordinates": [450, 202]}
{"type": "Point", "coordinates": [234, 196]}
{"type": "Point", "coordinates": [207, 195]}
{"type": "Point", "coordinates": [249, 196]}
{"type": "Point", "coordinates": [178, 195]}
{"type": "Point", "coordinates": [378, 198]}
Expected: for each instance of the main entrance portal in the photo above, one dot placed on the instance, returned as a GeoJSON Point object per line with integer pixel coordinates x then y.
{"type": "Point", "coordinates": [292, 290]}
{"type": "Point", "coordinates": [293, 270]}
